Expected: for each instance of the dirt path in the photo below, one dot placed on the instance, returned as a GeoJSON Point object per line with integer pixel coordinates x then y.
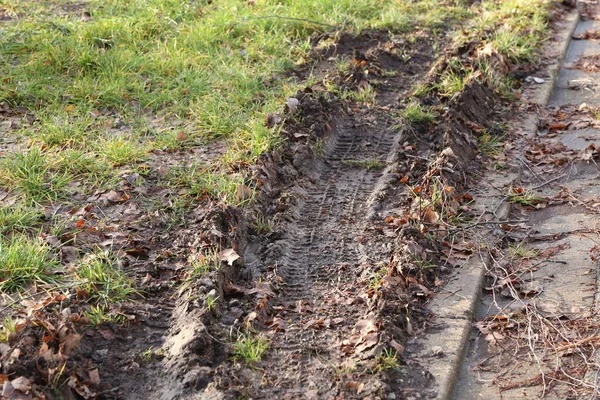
{"type": "Point", "coordinates": [321, 254]}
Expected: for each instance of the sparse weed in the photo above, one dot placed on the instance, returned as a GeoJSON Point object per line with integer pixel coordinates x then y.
{"type": "Point", "coordinates": [198, 181]}
{"type": "Point", "coordinates": [211, 302]}
{"type": "Point", "coordinates": [261, 226]}
{"type": "Point", "coordinates": [319, 147]}
{"type": "Point", "coordinates": [7, 328]}
{"type": "Point", "coordinates": [371, 163]}
{"type": "Point", "coordinates": [451, 83]}
{"type": "Point", "coordinates": [100, 314]}
{"type": "Point", "coordinates": [344, 369]}
{"type": "Point", "coordinates": [377, 279]}
{"type": "Point", "coordinates": [421, 90]}
{"type": "Point", "coordinates": [520, 251]}
{"type": "Point", "coordinates": [489, 144]}
{"type": "Point", "coordinates": [204, 262]}
{"type": "Point", "coordinates": [388, 359]}
{"type": "Point", "coordinates": [424, 264]}
{"type": "Point", "coordinates": [250, 347]}
{"type": "Point", "coordinates": [151, 353]}
{"type": "Point", "coordinates": [524, 197]}
{"type": "Point", "coordinates": [364, 95]}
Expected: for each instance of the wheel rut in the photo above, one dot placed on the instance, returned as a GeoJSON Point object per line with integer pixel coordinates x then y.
{"type": "Point", "coordinates": [319, 256]}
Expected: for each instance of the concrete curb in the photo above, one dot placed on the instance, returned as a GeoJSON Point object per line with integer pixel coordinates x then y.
{"type": "Point", "coordinates": [443, 350]}
{"type": "Point", "coordinates": [545, 90]}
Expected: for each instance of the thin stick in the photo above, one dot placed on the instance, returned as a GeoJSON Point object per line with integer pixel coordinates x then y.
{"type": "Point", "coordinates": [588, 339]}
{"type": "Point", "coordinates": [474, 224]}
{"type": "Point", "coordinates": [548, 181]}
{"type": "Point", "coordinates": [526, 164]}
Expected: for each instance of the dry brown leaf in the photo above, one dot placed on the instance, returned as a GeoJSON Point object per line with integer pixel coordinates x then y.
{"type": "Point", "coordinates": [228, 255]}
{"type": "Point", "coordinates": [21, 384]}
{"type": "Point", "coordinates": [397, 346]}
{"type": "Point", "coordinates": [94, 376]}
{"type": "Point", "coordinates": [368, 342]}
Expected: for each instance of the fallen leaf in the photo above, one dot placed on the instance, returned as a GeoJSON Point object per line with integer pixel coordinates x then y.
{"type": "Point", "coordinates": [181, 136]}
{"type": "Point", "coordinates": [272, 120]}
{"type": "Point", "coordinates": [292, 104]}
{"type": "Point", "coordinates": [397, 346]}
{"type": "Point", "coordinates": [243, 193]}
{"type": "Point", "coordinates": [228, 255]}
{"type": "Point", "coordinates": [368, 341]}
{"type": "Point", "coordinates": [21, 384]}
{"type": "Point", "coordinates": [69, 343]}
{"type": "Point", "coordinates": [94, 376]}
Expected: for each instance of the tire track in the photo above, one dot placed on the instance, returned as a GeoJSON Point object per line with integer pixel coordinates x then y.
{"type": "Point", "coordinates": [320, 257]}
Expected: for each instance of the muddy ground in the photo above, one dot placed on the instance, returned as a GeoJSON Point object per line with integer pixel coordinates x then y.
{"type": "Point", "coordinates": [332, 264]}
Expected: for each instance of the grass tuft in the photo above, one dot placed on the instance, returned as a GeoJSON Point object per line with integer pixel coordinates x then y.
{"type": "Point", "coordinates": [25, 261]}
{"type": "Point", "coordinates": [100, 277]}
{"type": "Point", "coordinates": [250, 348]}
{"type": "Point", "coordinates": [32, 175]}
{"type": "Point", "coordinates": [18, 218]}
{"type": "Point", "coordinates": [417, 114]}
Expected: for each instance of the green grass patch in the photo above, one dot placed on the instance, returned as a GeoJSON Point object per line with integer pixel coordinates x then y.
{"type": "Point", "coordinates": [120, 151]}
{"type": "Point", "coordinates": [250, 348]}
{"type": "Point", "coordinates": [25, 261]}
{"type": "Point", "coordinates": [99, 275]}
{"type": "Point", "coordinates": [18, 218]}
{"type": "Point", "coordinates": [220, 66]}
{"type": "Point", "coordinates": [199, 181]}
{"type": "Point", "coordinates": [418, 114]}
{"type": "Point", "coordinates": [33, 176]}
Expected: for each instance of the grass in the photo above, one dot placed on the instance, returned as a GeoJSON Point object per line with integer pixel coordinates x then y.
{"type": "Point", "coordinates": [250, 348]}
{"type": "Point", "coordinates": [215, 73]}
{"type": "Point", "coordinates": [211, 302]}
{"type": "Point", "coordinates": [33, 176]}
{"type": "Point", "coordinates": [197, 180]}
{"type": "Point", "coordinates": [490, 144]}
{"type": "Point", "coordinates": [25, 261]}
{"type": "Point", "coordinates": [99, 276]}
{"type": "Point", "coordinates": [388, 359]}
{"type": "Point", "coordinates": [377, 278]}
{"type": "Point", "coordinates": [369, 164]}
{"type": "Point", "coordinates": [205, 262]}
{"type": "Point", "coordinates": [509, 34]}
{"type": "Point", "coordinates": [143, 86]}
{"type": "Point", "coordinates": [524, 197]}
{"type": "Point", "coordinates": [262, 226]}
{"type": "Point", "coordinates": [120, 151]}
{"type": "Point", "coordinates": [520, 251]}
{"type": "Point", "coordinates": [100, 314]}
{"type": "Point", "coordinates": [7, 328]}
{"type": "Point", "coordinates": [418, 114]}
{"type": "Point", "coordinates": [18, 218]}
